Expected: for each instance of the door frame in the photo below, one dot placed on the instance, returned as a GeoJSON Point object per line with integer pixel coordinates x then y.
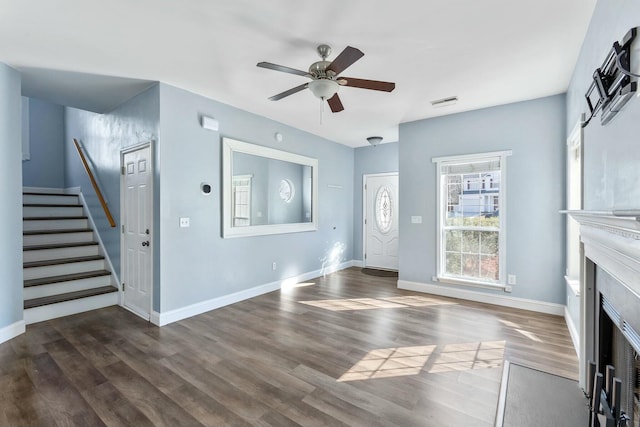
{"type": "Point", "coordinates": [123, 151]}
{"type": "Point", "coordinates": [364, 208]}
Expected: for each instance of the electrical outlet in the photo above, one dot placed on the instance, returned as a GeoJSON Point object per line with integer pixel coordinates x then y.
{"type": "Point", "coordinates": [273, 266]}
{"type": "Point", "coordinates": [511, 279]}
{"type": "Point", "coordinates": [184, 222]}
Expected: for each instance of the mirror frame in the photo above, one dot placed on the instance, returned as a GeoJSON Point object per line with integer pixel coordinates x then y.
{"type": "Point", "coordinates": [230, 146]}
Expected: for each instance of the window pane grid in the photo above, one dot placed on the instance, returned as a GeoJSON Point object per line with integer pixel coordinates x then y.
{"type": "Point", "coordinates": [470, 227]}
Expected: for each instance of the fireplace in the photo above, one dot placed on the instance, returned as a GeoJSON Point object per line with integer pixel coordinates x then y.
{"type": "Point", "coordinates": [618, 341]}
{"type": "Point", "coordinates": [610, 301]}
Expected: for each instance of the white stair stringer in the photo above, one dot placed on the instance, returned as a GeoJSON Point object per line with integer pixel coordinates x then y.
{"type": "Point", "coordinates": [65, 268]}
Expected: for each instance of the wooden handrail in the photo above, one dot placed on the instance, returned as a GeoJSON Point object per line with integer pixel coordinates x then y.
{"type": "Point", "coordinates": [112, 222]}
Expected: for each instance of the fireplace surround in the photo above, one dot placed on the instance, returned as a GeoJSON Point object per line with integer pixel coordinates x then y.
{"type": "Point", "coordinates": [610, 299]}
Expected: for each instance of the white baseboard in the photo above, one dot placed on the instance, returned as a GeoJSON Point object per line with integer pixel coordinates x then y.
{"type": "Point", "coordinates": [12, 331]}
{"type": "Point", "coordinates": [573, 330]}
{"type": "Point", "coordinates": [502, 300]}
{"type": "Point", "coordinates": [164, 318]}
{"type": "Point", "coordinates": [358, 263]}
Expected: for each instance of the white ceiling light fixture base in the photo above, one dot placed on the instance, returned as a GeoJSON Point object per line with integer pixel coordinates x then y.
{"type": "Point", "coordinates": [374, 140]}
{"type": "Point", "coordinates": [323, 88]}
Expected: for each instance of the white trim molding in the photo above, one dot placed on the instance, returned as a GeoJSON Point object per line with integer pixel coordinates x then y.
{"type": "Point", "coordinates": [167, 317]}
{"type": "Point", "coordinates": [12, 331]}
{"type": "Point", "coordinates": [573, 330]}
{"type": "Point", "coordinates": [502, 300]}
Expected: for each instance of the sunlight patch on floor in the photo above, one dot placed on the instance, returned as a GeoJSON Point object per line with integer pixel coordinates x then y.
{"type": "Point", "coordinates": [371, 303]}
{"type": "Point", "coordinates": [292, 284]}
{"type": "Point", "coordinates": [403, 361]}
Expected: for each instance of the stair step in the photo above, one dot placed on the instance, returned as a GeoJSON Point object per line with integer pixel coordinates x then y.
{"type": "Point", "coordinates": [51, 205]}
{"type": "Point", "coordinates": [61, 261]}
{"type": "Point", "coordinates": [61, 231]}
{"type": "Point", "coordinates": [58, 288]}
{"type": "Point", "coordinates": [50, 199]}
{"type": "Point", "coordinates": [52, 212]}
{"type": "Point", "coordinates": [50, 237]}
{"type": "Point", "coordinates": [65, 278]}
{"type": "Point", "coordinates": [44, 193]}
{"type": "Point", "coordinates": [59, 223]}
{"type": "Point", "coordinates": [47, 218]}
{"type": "Point", "coordinates": [58, 246]}
{"type": "Point", "coordinates": [40, 309]}
{"type": "Point", "coordinates": [54, 299]}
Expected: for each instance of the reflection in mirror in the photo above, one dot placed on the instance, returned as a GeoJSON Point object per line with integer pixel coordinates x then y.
{"type": "Point", "coordinates": [267, 191]}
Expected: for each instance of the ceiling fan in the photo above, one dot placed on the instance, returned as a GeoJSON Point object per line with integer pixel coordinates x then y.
{"type": "Point", "coordinates": [325, 77]}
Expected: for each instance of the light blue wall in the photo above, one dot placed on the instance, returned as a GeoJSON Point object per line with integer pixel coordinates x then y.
{"type": "Point", "coordinates": [196, 264]}
{"type": "Point", "coordinates": [45, 167]}
{"type": "Point", "coordinates": [611, 152]}
{"type": "Point", "coordinates": [368, 160]}
{"type": "Point", "coordinates": [103, 136]}
{"type": "Point", "coordinates": [11, 206]}
{"type": "Point", "coordinates": [535, 131]}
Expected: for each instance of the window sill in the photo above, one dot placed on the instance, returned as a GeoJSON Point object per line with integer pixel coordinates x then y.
{"type": "Point", "coordinates": [471, 283]}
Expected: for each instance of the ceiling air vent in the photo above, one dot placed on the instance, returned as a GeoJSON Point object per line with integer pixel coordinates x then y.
{"type": "Point", "coordinates": [444, 102]}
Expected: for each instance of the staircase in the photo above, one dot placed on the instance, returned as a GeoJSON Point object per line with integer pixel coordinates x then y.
{"type": "Point", "coordinates": [64, 270]}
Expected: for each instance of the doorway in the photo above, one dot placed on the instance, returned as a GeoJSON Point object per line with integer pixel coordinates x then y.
{"type": "Point", "coordinates": [380, 209]}
{"type": "Point", "coordinates": [137, 225]}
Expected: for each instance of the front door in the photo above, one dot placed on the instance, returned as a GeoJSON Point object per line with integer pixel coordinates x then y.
{"type": "Point", "coordinates": [137, 225]}
{"type": "Point", "coordinates": [381, 221]}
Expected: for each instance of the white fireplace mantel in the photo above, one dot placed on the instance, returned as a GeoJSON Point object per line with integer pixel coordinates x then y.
{"type": "Point", "coordinates": [612, 240]}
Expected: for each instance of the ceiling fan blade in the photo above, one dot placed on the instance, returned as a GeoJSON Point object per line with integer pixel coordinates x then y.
{"type": "Point", "coordinates": [282, 68]}
{"type": "Point", "coordinates": [368, 84]}
{"type": "Point", "coordinates": [346, 58]}
{"type": "Point", "coordinates": [335, 103]}
{"type": "Point", "coordinates": [289, 92]}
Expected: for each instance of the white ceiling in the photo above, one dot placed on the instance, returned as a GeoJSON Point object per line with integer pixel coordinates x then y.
{"type": "Point", "coordinates": [488, 52]}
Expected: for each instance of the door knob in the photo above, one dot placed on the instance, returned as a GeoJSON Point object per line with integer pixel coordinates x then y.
{"type": "Point", "coordinates": [146, 231]}
{"type": "Point", "coordinates": [145, 243]}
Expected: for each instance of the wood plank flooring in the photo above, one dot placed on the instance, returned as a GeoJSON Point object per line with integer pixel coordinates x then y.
{"type": "Point", "coordinates": [347, 349]}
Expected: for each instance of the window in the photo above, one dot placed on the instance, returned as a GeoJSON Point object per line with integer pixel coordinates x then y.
{"type": "Point", "coordinates": [242, 200]}
{"type": "Point", "coordinates": [574, 202]}
{"type": "Point", "coordinates": [471, 218]}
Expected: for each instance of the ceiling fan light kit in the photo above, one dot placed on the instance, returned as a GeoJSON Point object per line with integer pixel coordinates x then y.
{"type": "Point", "coordinates": [325, 80]}
{"type": "Point", "coordinates": [323, 88]}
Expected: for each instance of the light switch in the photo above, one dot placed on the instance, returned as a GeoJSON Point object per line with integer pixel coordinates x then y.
{"type": "Point", "coordinates": [416, 219]}
{"type": "Point", "coordinates": [184, 222]}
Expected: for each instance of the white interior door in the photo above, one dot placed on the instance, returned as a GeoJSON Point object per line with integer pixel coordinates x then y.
{"type": "Point", "coordinates": [381, 221]}
{"type": "Point", "coordinates": [137, 225]}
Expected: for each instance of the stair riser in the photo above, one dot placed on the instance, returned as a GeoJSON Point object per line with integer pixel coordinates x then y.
{"type": "Point", "coordinates": [59, 253]}
{"type": "Point", "coordinates": [54, 224]}
{"type": "Point", "coordinates": [52, 311]}
{"type": "Point", "coordinates": [50, 199]}
{"type": "Point", "coordinates": [63, 287]}
{"type": "Point", "coordinates": [60, 269]}
{"type": "Point", "coordinates": [47, 239]}
{"type": "Point", "coordinates": [51, 212]}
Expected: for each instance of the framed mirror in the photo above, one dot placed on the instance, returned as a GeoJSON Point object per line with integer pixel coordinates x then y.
{"type": "Point", "coordinates": [267, 191]}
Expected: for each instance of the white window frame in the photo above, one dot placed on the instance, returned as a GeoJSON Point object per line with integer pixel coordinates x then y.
{"type": "Point", "coordinates": [242, 182]}
{"type": "Point", "coordinates": [441, 204]}
{"type": "Point", "coordinates": [575, 198]}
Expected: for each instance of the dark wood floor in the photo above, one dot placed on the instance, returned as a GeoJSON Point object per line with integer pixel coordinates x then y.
{"type": "Point", "coordinates": [347, 349]}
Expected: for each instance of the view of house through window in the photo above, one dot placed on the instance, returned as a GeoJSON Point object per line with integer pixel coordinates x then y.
{"type": "Point", "coordinates": [471, 218]}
